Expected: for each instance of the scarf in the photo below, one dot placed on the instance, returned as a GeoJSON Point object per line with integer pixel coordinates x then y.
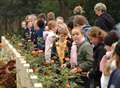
{"type": "Point", "coordinates": [73, 55]}
{"type": "Point", "coordinates": [60, 46]}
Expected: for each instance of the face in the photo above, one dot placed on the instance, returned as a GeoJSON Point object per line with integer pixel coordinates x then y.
{"type": "Point", "coordinates": [108, 48]}
{"type": "Point", "coordinates": [55, 28]}
{"type": "Point", "coordinates": [76, 35]}
{"type": "Point", "coordinates": [46, 28]}
{"type": "Point", "coordinates": [63, 37]}
{"type": "Point", "coordinates": [59, 21]}
{"type": "Point", "coordinates": [30, 18]}
{"type": "Point", "coordinates": [30, 24]}
{"type": "Point", "coordinates": [98, 12]}
{"type": "Point", "coordinates": [23, 24]}
{"type": "Point", "coordinates": [94, 40]}
{"type": "Point", "coordinates": [36, 26]}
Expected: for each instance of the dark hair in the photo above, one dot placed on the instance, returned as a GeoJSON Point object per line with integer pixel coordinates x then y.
{"type": "Point", "coordinates": [40, 23]}
{"type": "Point", "coordinates": [111, 38]}
{"type": "Point", "coordinates": [79, 20]}
{"type": "Point", "coordinates": [117, 53]}
{"type": "Point", "coordinates": [70, 24]}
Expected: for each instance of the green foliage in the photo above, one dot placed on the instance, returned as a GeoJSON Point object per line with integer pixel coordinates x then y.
{"type": "Point", "coordinates": [10, 7]}
{"type": "Point", "coordinates": [50, 5]}
{"type": "Point", "coordinates": [113, 9]}
{"type": "Point", "coordinates": [10, 10]}
{"type": "Point", "coordinates": [50, 75]}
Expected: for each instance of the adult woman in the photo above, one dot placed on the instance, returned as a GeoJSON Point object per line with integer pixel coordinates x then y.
{"type": "Point", "coordinates": [104, 20]}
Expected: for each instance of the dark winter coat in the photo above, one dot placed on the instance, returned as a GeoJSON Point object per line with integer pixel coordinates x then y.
{"type": "Point", "coordinates": [105, 21]}
{"type": "Point", "coordinates": [29, 34]}
{"type": "Point", "coordinates": [39, 41]}
{"type": "Point", "coordinates": [114, 81]}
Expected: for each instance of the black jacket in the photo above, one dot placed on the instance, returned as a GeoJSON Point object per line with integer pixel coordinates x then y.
{"type": "Point", "coordinates": [98, 52]}
{"type": "Point", "coordinates": [106, 22]}
{"type": "Point", "coordinates": [114, 81]}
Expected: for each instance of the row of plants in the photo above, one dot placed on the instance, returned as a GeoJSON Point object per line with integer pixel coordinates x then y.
{"type": "Point", "coordinates": [8, 74]}
{"type": "Point", "coordinates": [50, 75]}
{"type": "Point", "coordinates": [7, 71]}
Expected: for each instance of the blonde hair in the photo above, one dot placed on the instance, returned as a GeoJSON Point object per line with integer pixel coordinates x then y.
{"type": "Point", "coordinates": [78, 10]}
{"type": "Point", "coordinates": [60, 19]}
{"type": "Point", "coordinates": [50, 16]}
{"type": "Point", "coordinates": [100, 6]}
{"type": "Point", "coordinates": [62, 29]}
{"type": "Point", "coordinates": [114, 56]}
{"type": "Point", "coordinates": [30, 18]}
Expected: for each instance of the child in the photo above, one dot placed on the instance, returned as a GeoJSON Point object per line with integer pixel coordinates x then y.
{"type": "Point", "coordinates": [83, 51]}
{"type": "Point", "coordinates": [39, 28]}
{"type": "Point", "coordinates": [78, 10]}
{"type": "Point", "coordinates": [60, 19]}
{"type": "Point", "coordinates": [96, 37]}
{"type": "Point", "coordinates": [23, 24]}
{"type": "Point", "coordinates": [29, 32]}
{"type": "Point", "coordinates": [61, 48]}
{"type": "Point", "coordinates": [52, 26]}
{"type": "Point", "coordinates": [82, 22]}
{"type": "Point", "coordinates": [114, 81]}
{"type": "Point", "coordinates": [81, 55]}
{"type": "Point", "coordinates": [109, 41]}
{"type": "Point", "coordinates": [50, 16]}
{"type": "Point", "coordinates": [31, 17]}
{"type": "Point", "coordinates": [23, 27]}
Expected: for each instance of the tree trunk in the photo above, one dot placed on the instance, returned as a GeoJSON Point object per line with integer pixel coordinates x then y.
{"type": "Point", "coordinates": [63, 8]}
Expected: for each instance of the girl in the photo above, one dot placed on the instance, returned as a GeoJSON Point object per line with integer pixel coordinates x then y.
{"type": "Point", "coordinates": [96, 37]}
{"type": "Point", "coordinates": [114, 81]}
{"type": "Point", "coordinates": [82, 22]}
{"type": "Point", "coordinates": [81, 55]}
{"type": "Point", "coordinates": [52, 26]}
{"type": "Point", "coordinates": [39, 28]}
{"type": "Point", "coordinates": [61, 48]}
{"type": "Point", "coordinates": [50, 16]}
{"type": "Point", "coordinates": [106, 61]}
{"type": "Point", "coordinates": [29, 33]}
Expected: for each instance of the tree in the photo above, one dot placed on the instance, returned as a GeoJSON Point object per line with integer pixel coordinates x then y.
{"type": "Point", "coordinates": [13, 11]}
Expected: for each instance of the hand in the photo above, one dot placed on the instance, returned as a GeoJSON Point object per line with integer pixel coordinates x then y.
{"type": "Point", "coordinates": [63, 65]}
{"type": "Point", "coordinates": [79, 69]}
{"type": "Point", "coordinates": [67, 59]}
{"type": "Point", "coordinates": [88, 74]}
{"type": "Point", "coordinates": [74, 70]}
{"type": "Point", "coordinates": [40, 51]}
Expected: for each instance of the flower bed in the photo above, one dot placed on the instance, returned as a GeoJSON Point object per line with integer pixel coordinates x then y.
{"type": "Point", "coordinates": [50, 75]}
{"type": "Point", "coordinates": [25, 76]}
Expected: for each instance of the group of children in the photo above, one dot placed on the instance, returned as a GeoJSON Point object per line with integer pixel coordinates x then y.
{"type": "Point", "coordinates": [85, 48]}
